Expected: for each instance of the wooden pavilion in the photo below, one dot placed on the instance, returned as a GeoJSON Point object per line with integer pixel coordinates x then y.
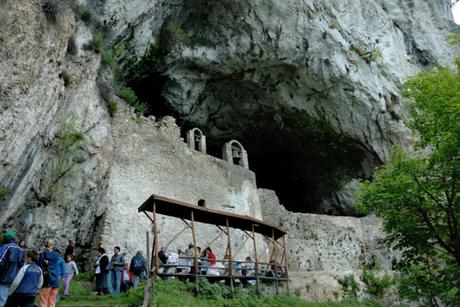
{"type": "Point", "coordinates": [191, 214]}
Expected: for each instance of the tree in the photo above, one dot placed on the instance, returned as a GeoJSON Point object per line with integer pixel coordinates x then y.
{"type": "Point", "coordinates": [418, 194]}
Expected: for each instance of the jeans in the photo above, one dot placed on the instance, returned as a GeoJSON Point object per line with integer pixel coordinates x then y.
{"type": "Point", "coordinates": [116, 279]}
{"type": "Point", "coordinates": [109, 282]}
{"type": "Point", "coordinates": [4, 289]}
{"type": "Point", "coordinates": [136, 280]}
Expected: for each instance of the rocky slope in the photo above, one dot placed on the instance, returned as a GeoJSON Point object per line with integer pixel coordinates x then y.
{"type": "Point", "coordinates": [310, 88]}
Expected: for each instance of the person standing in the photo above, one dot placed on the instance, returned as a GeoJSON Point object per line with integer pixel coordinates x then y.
{"type": "Point", "coordinates": [118, 262]}
{"type": "Point", "coordinates": [25, 286]}
{"type": "Point", "coordinates": [11, 260]}
{"type": "Point", "coordinates": [101, 272]}
{"type": "Point", "coordinates": [70, 249]}
{"type": "Point", "coordinates": [70, 270]}
{"type": "Point", "coordinates": [137, 267]}
{"type": "Point", "coordinates": [48, 262]}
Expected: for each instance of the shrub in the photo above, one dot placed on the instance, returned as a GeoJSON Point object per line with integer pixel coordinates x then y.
{"type": "Point", "coordinates": [127, 94]}
{"type": "Point", "coordinates": [112, 108]}
{"type": "Point", "coordinates": [376, 286]}
{"type": "Point", "coordinates": [349, 286]}
{"type": "Point", "coordinates": [131, 98]}
{"type": "Point", "coordinates": [4, 192]}
{"type": "Point", "coordinates": [97, 44]}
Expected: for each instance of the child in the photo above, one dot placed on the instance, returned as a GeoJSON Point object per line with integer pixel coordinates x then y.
{"type": "Point", "coordinates": [70, 270]}
{"type": "Point", "coordinates": [26, 284]}
{"type": "Point", "coordinates": [127, 281]}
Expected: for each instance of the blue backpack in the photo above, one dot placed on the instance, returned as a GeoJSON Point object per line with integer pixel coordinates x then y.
{"type": "Point", "coordinates": [138, 265]}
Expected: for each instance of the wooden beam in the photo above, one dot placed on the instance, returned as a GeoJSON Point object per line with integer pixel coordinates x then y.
{"type": "Point", "coordinates": [213, 240]}
{"type": "Point", "coordinates": [186, 223]}
{"type": "Point", "coordinates": [230, 260]}
{"type": "Point", "coordinates": [176, 236]}
{"type": "Point", "coordinates": [195, 256]}
{"type": "Point", "coordinates": [256, 261]}
{"type": "Point", "coordinates": [148, 216]}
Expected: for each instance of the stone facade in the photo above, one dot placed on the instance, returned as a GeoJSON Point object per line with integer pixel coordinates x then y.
{"type": "Point", "coordinates": [149, 157]}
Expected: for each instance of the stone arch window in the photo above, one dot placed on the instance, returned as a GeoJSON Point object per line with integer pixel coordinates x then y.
{"type": "Point", "coordinates": [235, 153]}
{"type": "Point", "coordinates": [196, 140]}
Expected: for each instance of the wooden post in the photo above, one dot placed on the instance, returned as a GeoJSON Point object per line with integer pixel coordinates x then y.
{"type": "Point", "coordinates": [195, 252]}
{"type": "Point", "coordinates": [286, 263]}
{"type": "Point", "coordinates": [147, 238]}
{"type": "Point", "coordinates": [276, 275]}
{"type": "Point", "coordinates": [155, 243]}
{"type": "Point", "coordinates": [230, 260]}
{"type": "Point", "coordinates": [256, 261]}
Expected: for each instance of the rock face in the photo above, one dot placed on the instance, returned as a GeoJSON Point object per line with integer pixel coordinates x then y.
{"type": "Point", "coordinates": [310, 88]}
{"type": "Point", "coordinates": [53, 128]}
{"type": "Point", "coordinates": [296, 81]}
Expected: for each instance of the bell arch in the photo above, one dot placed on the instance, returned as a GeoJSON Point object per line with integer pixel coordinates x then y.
{"type": "Point", "coordinates": [196, 140]}
{"type": "Point", "coordinates": [234, 152]}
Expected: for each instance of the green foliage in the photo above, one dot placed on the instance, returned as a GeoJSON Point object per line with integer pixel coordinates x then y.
{"type": "Point", "coordinates": [454, 39]}
{"type": "Point", "coordinates": [112, 108]}
{"type": "Point", "coordinates": [349, 286]}
{"type": "Point", "coordinates": [131, 98]}
{"type": "Point", "coordinates": [417, 195]}
{"type": "Point", "coordinates": [5, 192]}
{"type": "Point", "coordinates": [66, 147]}
{"type": "Point", "coordinates": [98, 43]}
{"type": "Point", "coordinates": [151, 63]}
{"type": "Point", "coordinates": [377, 286]}
{"type": "Point", "coordinates": [173, 293]}
{"type": "Point", "coordinates": [83, 276]}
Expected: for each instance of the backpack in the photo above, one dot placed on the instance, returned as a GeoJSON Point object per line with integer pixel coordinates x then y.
{"type": "Point", "coordinates": [138, 265]}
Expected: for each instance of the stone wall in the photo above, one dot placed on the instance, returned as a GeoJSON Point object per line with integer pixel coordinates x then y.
{"type": "Point", "coordinates": [328, 243]}
{"type": "Point", "coordinates": [149, 157]}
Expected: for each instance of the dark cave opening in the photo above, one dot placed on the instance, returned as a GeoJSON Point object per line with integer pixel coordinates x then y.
{"type": "Point", "coordinates": [299, 156]}
{"type": "Point", "coordinates": [305, 161]}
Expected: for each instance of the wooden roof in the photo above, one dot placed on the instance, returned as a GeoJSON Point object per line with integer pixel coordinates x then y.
{"type": "Point", "coordinates": [183, 210]}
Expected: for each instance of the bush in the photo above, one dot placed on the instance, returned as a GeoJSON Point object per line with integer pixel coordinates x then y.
{"type": "Point", "coordinates": [5, 192]}
{"type": "Point", "coordinates": [131, 98]}
{"type": "Point", "coordinates": [349, 286]}
{"type": "Point", "coordinates": [376, 286]}
{"type": "Point", "coordinates": [112, 108]}
{"type": "Point", "coordinates": [97, 44]}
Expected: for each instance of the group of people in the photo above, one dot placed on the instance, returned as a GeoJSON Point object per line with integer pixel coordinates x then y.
{"type": "Point", "coordinates": [115, 275]}
{"type": "Point", "coordinates": [182, 263]}
{"type": "Point", "coordinates": [24, 272]}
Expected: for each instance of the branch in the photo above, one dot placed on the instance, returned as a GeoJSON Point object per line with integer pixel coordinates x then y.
{"type": "Point", "coordinates": [426, 191]}
{"type": "Point", "coordinates": [430, 225]}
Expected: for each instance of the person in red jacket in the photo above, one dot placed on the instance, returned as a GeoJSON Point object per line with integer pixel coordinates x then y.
{"type": "Point", "coordinates": [211, 257]}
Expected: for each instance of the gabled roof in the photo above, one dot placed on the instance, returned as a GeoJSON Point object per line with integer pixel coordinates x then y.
{"type": "Point", "coordinates": [184, 210]}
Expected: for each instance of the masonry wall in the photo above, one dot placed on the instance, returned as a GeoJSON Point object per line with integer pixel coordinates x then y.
{"type": "Point", "coordinates": [149, 157]}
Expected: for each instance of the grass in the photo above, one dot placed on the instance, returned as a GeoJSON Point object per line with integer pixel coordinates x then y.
{"type": "Point", "coordinates": [181, 294]}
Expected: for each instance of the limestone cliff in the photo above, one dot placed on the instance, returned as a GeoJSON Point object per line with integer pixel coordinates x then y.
{"type": "Point", "coordinates": [309, 87]}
